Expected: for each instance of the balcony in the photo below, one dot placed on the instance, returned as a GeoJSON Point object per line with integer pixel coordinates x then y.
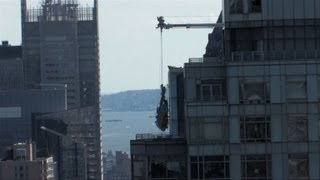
{"type": "Point", "coordinates": [254, 56]}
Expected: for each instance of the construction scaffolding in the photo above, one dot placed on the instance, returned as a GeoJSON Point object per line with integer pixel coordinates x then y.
{"type": "Point", "coordinates": [60, 10]}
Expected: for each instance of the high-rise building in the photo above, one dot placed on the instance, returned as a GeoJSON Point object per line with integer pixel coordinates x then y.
{"type": "Point", "coordinates": [60, 45]}
{"type": "Point", "coordinates": [75, 149]}
{"type": "Point", "coordinates": [163, 156]}
{"type": "Point", "coordinates": [252, 107]}
{"type": "Point", "coordinates": [19, 107]}
{"type": "Point", "coordinates": [11, 67]}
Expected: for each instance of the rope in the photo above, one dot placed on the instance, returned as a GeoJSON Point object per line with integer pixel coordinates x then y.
{"type": "Point", "coordinates": [161, 57]}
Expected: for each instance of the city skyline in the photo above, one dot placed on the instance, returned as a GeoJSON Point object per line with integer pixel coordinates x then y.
{"type": "Point", "coordinates": [116, 18]}
{"type": "Point", "coordinates": [237, 101]}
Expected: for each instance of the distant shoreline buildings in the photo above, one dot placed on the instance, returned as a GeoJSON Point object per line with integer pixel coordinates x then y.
{"type": "Point", "coordinates": [118, 166]}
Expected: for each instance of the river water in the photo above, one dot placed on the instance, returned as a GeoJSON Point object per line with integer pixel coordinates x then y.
{"type": "Point", "coordinates": [118, 128]}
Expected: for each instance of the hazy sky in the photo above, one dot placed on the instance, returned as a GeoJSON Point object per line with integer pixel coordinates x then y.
{"type": "Point", "coordinates": [129, 41]}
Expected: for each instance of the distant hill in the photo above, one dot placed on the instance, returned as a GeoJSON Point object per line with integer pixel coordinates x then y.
{"type": "Point", "coordinates": [135, 100]}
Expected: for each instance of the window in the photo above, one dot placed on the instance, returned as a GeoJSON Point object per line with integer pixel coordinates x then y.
{"type": "Point", "coordinates": [298, 166]}
{"type": "Point", "coordinates": [216, 167]}
{"type": "Point", "coordinates": [158, 169]}
{"type": "Point", "coordinates": [212, 129]}
{"type": "Point", "coordinates": [206, 92]}
{"type": "Point", "coordinates": [176, 169]}
{"type": "Point", "coordinates": [164, 167]}
{"type": "Point", "coordinates": [254, 90]}
{"type": "Point", "coordinates": [211, 90]}
{"type": "Point", "coordinates": [255, 129]}
{"type": "Point", "coordinates": [236, 6]}
{"type": "Point", "coordinates": [256, 166]}
{"type": "Point", "coordinates": [297, 127]}
{"type": "Point", "coordinates": [255, 6]}
{"type": "Point", "coordinates": [210, 167]}
{"type": "Point", "coordinates": [139, 169]}
{"type": "Point", "coordinates": [196, 167]}
{"type": "Point", "coordinates": [296, 89]}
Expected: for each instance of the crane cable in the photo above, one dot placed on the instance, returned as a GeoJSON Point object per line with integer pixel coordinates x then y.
{"type": "Point", "coordinates": [162, 116]}
{"type": "Point", "coordinates": [161, 57]}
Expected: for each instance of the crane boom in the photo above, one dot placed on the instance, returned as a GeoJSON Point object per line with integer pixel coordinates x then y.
{"type": "Point", "coordinates": [77, 142]}
{"type": "Point", "coordinates": [162, 25]}
{"type": "Point", "coordinates": [53, 132]}
{"type": "Point", "coordinates": [61, 135]}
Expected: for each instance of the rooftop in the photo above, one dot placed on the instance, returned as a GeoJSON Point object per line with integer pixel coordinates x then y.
{"type": "Point", "coordinates": [9, 52]}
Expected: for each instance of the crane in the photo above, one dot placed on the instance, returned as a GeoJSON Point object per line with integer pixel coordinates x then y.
{"type": "Point", "coordinates": [162, 25]}
{"type": "Point", "coordinates": [162, 116]}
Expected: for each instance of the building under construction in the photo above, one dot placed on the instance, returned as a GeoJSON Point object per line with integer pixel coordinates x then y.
{"type": "Point", "coordinates": [251, 105]}
{"type": "Point", "coordinates": [60, 44]}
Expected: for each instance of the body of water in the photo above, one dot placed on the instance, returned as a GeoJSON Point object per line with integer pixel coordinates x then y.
{"type": "Point", "coordinates": [119, 128]}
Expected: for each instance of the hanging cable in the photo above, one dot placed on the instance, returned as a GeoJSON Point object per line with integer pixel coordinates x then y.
{"type": "Point", "coordinates": [161, 57]}
{"type": "Point", "coordinates": [162, 110]}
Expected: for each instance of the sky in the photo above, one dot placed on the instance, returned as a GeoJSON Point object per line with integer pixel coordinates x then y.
{"type": "Point", "coordinates": [129, 42]}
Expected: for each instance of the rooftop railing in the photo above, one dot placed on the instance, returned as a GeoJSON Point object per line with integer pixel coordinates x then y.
{"type": "Point", "coordinates": [201, 60]}
{"type": "Point", "coordinates": [195, 60]}
{"type": "Point", "coordinates": [247, 56]}
{"type": "Point", "coordinates": [256, 56]}
{"type": "Point", "coordinates": [152, 136]}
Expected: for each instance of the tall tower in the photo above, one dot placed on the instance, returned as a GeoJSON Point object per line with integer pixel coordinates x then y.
{"type": "Point", "coordinates": [251, 106]}
{"type": "Point", "coordinates": [61, 46]}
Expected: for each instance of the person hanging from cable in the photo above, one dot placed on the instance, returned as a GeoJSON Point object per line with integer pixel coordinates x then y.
{"type": "Point", "coordinates": [162, 111]}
